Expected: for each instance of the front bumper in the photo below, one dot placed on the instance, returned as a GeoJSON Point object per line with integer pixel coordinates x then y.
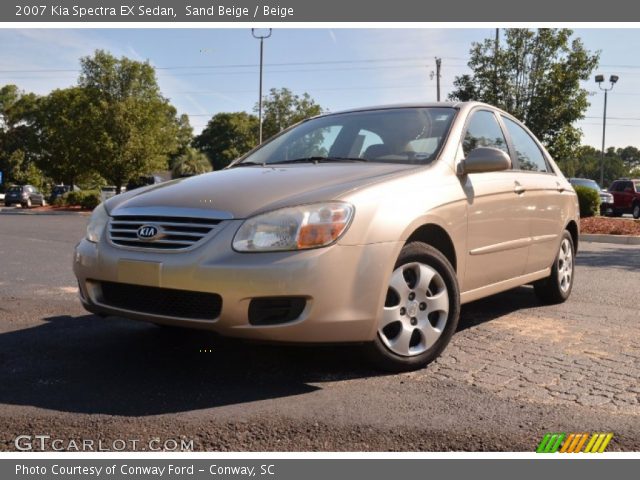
{"type": "Point", "coordinates": [344, 286]}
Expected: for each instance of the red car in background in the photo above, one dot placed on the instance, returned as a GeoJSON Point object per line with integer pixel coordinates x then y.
{"type": "Point", "coordinates": [626, 197]}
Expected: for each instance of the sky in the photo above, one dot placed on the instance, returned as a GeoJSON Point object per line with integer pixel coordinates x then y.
{"type": "Point", "coordinates": [204, 71]}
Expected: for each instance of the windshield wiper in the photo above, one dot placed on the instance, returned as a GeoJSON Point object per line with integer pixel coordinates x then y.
{"type": "Point", "coordinates": [319, 159]}
{"type": "Point", "coordinates": [247, 164]}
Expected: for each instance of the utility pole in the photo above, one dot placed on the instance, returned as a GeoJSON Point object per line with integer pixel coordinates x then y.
{"type": "Point", "coordinates": [495, 66]}
{"type": "Point", "coordinates": [261, 38]}
{"type": "Point", "coordinates": [438, 65]}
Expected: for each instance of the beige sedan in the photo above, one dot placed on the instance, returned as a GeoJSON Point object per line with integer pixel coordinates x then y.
{"type": "Point", "coordinates": [370, 226]}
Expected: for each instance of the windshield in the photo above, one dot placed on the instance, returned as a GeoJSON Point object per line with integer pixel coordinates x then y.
{"type": "Point", "coordinates": [584, 182]}
{"type": "Point", "coordinates": [14, 190]}
{"type": "Point", "coordinates": [399, 135]}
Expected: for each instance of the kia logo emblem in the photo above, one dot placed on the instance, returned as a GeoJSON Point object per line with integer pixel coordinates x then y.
{"type": "Point", "coordinates": [148, 232]}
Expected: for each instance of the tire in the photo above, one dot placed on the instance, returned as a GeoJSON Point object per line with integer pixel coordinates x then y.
{"type": "Point", "coordinates": [557, 287]}
{"type": "Point", "coordinates": [7, 204]}
{"type": "Point", "coordinates": [44, 202]}
{"type": "Point", "coordinates": [421, 311]}
{"type": "Point", "coordinates": [636, 210]}
{"type": "Point", "coordinates": [27, 204]}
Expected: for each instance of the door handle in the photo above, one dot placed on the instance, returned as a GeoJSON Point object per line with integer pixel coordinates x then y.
{"type": "Point", "coordinates": [519, 189]}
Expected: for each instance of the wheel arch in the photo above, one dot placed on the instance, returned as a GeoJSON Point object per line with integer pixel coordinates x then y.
{"type": "Point", "coordinates": [438, 238]}
{"type": "Point", "coordinates": [572, 228]}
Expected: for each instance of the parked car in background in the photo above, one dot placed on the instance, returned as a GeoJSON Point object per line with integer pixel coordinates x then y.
{"type": "Point", "coordinates": [143, 181]}
{"type": "Point", "coordinates": [368, 227]}
{"type": "Point", "coordinates": [626, 197]}
{"type": "Point", "coordinates": [109, 191]}
{"type": "Point", "coordinates": [606, 198]}
{"type": "Point", "coordinates": [24, 195]}
{"type": "Point", "coordinates": [60, 190]}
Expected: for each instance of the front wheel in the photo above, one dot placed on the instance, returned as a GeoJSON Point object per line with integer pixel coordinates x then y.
{"type": "Point", "coordinates": [556, 288]}
{"type": "Point", "coordinates": [27, 204]}
{"type": "Point", "coordinates": [420, 313]}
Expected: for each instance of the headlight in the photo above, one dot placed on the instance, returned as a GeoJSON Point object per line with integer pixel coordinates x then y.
{"type": "Point", "coordinates": [294, 228]}
{"type": "Point", "coordinates": [97, 222]}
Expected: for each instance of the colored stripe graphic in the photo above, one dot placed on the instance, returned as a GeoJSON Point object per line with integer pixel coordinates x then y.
{"type": "Point", "coordinates": [583, 440]}
{"type": "Point", "coordinates": [574, 442]}
{"type": "Point", "coordinates": [551, 443]}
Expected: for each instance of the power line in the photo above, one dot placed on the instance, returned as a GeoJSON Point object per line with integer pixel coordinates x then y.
{"type": "Point", "coordinates": [248, 65]}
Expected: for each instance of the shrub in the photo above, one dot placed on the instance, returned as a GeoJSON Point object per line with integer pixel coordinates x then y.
{"type": "Point", "coordinates": [74, 198]}
{"type": "Point", "coordinates": [589, 201]}
{"type": "Point", "coordinates": [90, 199]}
{"type": "Point", "coordinates": [60, 201]}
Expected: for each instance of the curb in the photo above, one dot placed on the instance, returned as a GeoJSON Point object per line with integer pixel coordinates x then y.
{"type": "Point", "coordinates": [617, 239]}
{"type": "Point", "coordinates": [18, 212]}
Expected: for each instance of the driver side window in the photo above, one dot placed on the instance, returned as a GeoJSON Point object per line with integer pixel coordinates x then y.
{"type": "Point", "coordinates": [483, 130]}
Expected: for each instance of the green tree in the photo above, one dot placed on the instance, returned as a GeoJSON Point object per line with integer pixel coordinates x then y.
{"type": "Point", "coordinates": [630, 156]}
{"type": "Point", "coordinates": [228, 136]}
{"type": "Point", "coordinates": [586, 164]}
{"type": "Point", "coordinates": [534, 75]}
{"type": "Point", "coordinates": [64, 146]}
{"type": "Point", "coordinates": [282, 108]}
{"type": "Point", "coordinates": [191, 162]}
{"type": "Point", "coordinates": [18, 138]}
{"type": "Point", "coordinates": [134, 129]}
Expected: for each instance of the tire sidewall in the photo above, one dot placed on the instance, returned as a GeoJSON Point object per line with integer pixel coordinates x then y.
{"type": "Point", "coordinates": [418, 252]}
{"type": "Point", "coordinates": [554, 271]}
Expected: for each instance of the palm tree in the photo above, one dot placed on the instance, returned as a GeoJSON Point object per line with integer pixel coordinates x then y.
{"type": "Point", "coordinates": [192, 162]}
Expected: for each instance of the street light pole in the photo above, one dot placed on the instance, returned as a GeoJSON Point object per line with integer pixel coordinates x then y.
{"type": "Point", "coordinates": [599, 79]}
{"type": "Point", "coordinates": [261, 38]}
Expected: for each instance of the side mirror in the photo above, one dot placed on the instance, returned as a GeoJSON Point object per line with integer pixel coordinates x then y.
{"type": "Point", "coordinates": [484, 159]}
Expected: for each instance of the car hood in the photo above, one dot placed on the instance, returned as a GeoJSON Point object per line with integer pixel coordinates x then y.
{"type": "Point", "coordinates": [244, 191]}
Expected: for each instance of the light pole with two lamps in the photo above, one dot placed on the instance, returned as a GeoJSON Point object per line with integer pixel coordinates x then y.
{"type": "Point", "coordinates": [599, 80]}
{"type": "Point", "coordinates": [261, 38]}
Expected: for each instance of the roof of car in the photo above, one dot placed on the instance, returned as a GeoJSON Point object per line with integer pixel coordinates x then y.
{"type": "Point", "coordinates": [412, 105]}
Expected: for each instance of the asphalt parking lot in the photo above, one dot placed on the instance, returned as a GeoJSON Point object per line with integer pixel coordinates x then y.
{"type": "Point", "coordinates": [514, 371]}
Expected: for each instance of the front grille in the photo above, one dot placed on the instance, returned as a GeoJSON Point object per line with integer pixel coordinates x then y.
{"type": "Point", "coordinates": [161, 301]}
{"type": "Point", "coordinates": [175, 232]}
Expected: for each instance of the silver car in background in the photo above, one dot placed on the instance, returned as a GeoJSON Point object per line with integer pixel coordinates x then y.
{"type": "Point", "coordinates": [370, 227]}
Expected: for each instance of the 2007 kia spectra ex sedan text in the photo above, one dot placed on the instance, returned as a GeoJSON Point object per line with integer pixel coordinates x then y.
{"type": "Point", "coordinates": [370, 226]}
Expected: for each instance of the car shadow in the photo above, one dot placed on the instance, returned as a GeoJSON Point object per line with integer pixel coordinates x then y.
{"type": "Point", "coordinates": [119, 367]}
{"type": "Point", "coordinates": [490, 308]}
{"type": "Point", "coordinates": [115, 366]}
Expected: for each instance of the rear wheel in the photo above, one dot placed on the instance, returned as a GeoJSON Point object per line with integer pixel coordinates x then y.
{"type": "Point", "coordinates": [27, 203]}
{"type": "Point", "coordinates": [556, 288]}
{"type": "Point", "coordinates": [420, 313]}
{"type": "Point", "coordinates": [636, 211]}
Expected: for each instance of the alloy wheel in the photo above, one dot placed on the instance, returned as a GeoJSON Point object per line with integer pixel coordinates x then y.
{"type": "Point", "coordinates": [565, 265]}
{"type": "Point", "coordinates": [415, 311]}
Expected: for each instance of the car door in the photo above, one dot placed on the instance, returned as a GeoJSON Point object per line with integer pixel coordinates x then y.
{"type": "Point", "coordinates": [547, 196]}
{"type": "Point", "coordinates": [498, 223]}
{"type": "Point", "coordinates": [628, 195]}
